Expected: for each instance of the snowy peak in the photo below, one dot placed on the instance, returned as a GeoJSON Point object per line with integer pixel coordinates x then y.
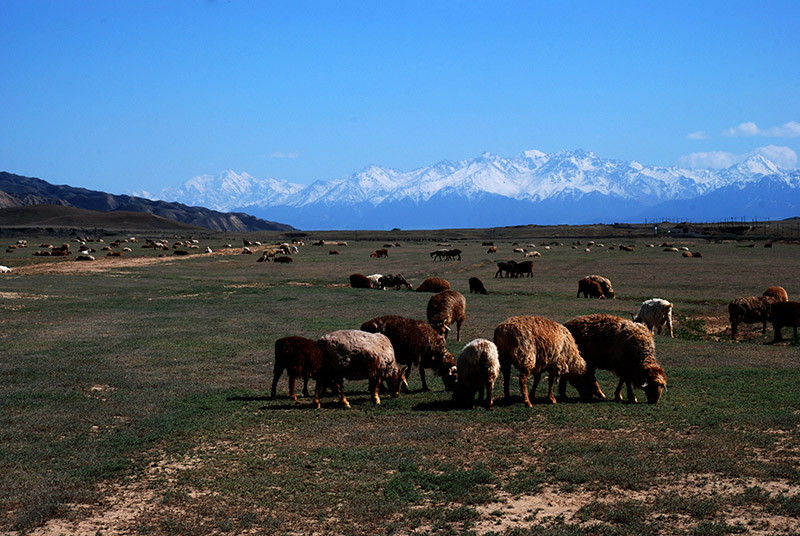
{"type": "Point", "coordinates": [757, 165]}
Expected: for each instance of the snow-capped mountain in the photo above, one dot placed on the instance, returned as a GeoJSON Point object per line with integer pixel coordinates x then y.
{"type": "Point", "coordinates": [533, 187]}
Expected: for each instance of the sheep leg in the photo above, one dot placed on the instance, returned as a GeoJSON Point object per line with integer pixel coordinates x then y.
{"type": "Point", "coordinates": [305, 385]}
{"type": "Point", "coordinates": [631, 396]}
{"type": "Point", "coordinates": [523, 388]}
{"type": "Point", "coordinates": [506, 370]}
{"type": "Point", "coordinates": [458, 330]}
{"type": "Point", "coordinates": [292, 394]}
{"type": "Point", "coordinates": [764, 328]}
{"type": "Point", "coordinates": [340, 392]}
{"type": "Point", "coordinates": [275, 377]}
{"type": "Point", "coordinates": [550, 380]}
{"type": "Point", "coordinates": [537, 376]}
{"type": "Point", "coordinates": [373, 388]}
{"type": "Point", "coordinates": [618, 392]}
{"type": "Point", "coordinates": [489, 389]}
{"type": "Point", "coordinates": [317, 391]}
{"type": "Point", "coordinates": [421, 377]}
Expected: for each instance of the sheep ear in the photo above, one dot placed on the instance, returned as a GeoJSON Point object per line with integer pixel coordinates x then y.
{"type": "Point", "coordinates": [645, 384]}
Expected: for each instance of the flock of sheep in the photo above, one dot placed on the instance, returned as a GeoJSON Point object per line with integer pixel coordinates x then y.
{"type": "Point", "coordinates": [385, 350]}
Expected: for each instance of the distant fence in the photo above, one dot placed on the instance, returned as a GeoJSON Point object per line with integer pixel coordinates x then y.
{"type": "Point", "coordinates": [753, 226]}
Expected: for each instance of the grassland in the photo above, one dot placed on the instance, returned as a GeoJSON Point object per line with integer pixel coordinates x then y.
{"type": "Point", "coordinates": [134, 398]}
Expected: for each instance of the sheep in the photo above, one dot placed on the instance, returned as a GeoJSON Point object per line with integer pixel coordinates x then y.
{"type": "Point", "coordinates": [359, 281]}
{"type": "Point", "coordinates": [434, 284]}
{"type": "Point", "coordinates": [478, 367]}
{"type": "Point", "coordinates": [4, 269]}
{"type": "Point", "coordinates": [357, 355]}
{"type": "Point", "coordinates": [622, 346]}
{"type": "Point", "coordinates": [785, 314]}
{"type": "Point", "coordinates": [395, 281]}
{"type": "Point", "coordinates": [492, 249]}
{"type": "Point", "coordinates": [749, 310]}
{"type": "Point", "coordinates": [655, 314]}
{"type": "Point", "coordinates": [779, 293]}
{"type": "Point", "coordinates": [523, 268]}
{"type": "Point", "coordinates": [267, 254]}
{"type": "Point", "coordinates": [509, 268]}
{"type": "Point", "coordinates": [534, 344]}
{"type": "Point", "coordinates": [608, 290]}
{"type": "Point", "coordinates": [283, 260]}
{"type": "Point", "coordinates": [375, 280]}
{"type": "Point", "coordinates": [415, 343]}
{"type": "Point", "coordinates": [438, 254]}
{"type": "Point", "coordinates": [333, 252]}
{"type": "Point", "coordinates": [452, 255]}
{"type": "Point", "coordinates": [476, 286]}
{"type": "Point", "coordinates": [299, 356]}
{"type": "Point", "coordinates": [590, 289]}
{"type": "Point", "coordinates": [84, 258]}
{"type": "Point", "coordinates": [445, 308]}
{"type": "Point", "coordinates": [378, 253]}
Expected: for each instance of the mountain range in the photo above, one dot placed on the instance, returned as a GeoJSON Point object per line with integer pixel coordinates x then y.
{"type": "Point", "coordinates": [568, 187]}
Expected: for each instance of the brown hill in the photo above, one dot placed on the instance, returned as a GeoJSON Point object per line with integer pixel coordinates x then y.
{"type": "Point", "coordinates": [16, 190]}
{"type": "Point", "coordinates": [55, 216]}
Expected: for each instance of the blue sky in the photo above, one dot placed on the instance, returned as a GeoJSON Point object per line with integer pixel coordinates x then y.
{"type": "Point", "coordinates": [138, 95]}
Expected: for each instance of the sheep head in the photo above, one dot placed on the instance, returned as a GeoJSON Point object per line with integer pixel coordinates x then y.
{"type": "Point", "coordinates": [395, 381]}
{"type": "Point", "coordinates": [449, 376]}
{"type": "Point", "coordinates": [655, 383]}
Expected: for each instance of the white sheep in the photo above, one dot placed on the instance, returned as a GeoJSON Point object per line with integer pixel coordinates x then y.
{"type": "Point", "coordinates": [375, 280]}
{"type": "Point", "coordinates": [4, 269]}
{"type": "Point", "coordinates": [655, 314]}
{"type": "Point", "coordinates": [478, 367]}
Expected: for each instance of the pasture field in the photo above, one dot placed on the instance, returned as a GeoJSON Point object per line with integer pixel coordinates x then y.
{"type": "Point", "coordinates": [134, 399]}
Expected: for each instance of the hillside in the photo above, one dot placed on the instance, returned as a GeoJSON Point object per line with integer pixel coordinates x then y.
{"type": "Point", "coordinates": [17, 191]}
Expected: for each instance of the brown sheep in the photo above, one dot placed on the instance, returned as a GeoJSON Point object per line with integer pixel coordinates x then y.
{"type": "Point", "coordinates": [476, 286]}
{"type": "Point", "coordinates": [299, 357]}
{"type": "Point", "coordinates": [434, 284]}
{"type": "Point", "coordinates": [333, 252]}
{"type": "Point", "coordinates": [283, 259]}
{"type": "Point", "coordinates": [608, 290]}
{"type": "Point", "coordinates": [359, 281]}
{"type": "Point", "coordinates": [415, 343]}
{"type": "Point", "coordinates": [524, 268]}
{"type": "Point", "coordinates": [590, 289]}
{"type": "Point", "coordinates": [779, 293]}
{"type": "Point", "coordinates": [492, 249]}
{"type": "Point", "coordinates": [628, 349]}
{"type": "Point", "coordinates": [445, 308]}
{"type": "Point", "coordinates": [357, 355]}
{"type": "Point", "coordinates": [378, 253]}
{"type": "Point", "coordinates": [509, 268]}
{"type": "Point", "coordinates": [534, 344]}
{"type": "Point", "coordinates": [785, 314]}
{"type": "Point", "coordinates": [749, 310]}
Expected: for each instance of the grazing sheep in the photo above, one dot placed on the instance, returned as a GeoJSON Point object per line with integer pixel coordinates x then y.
{"type": "Point", "coordinates": [622, 346]}
{"type": "Point", "coordinates": [375, 280]}
{"type": "Point", "coordinates": [779, 293]}
{"type": "Point", "coordinates": [357, 355]}
{"type": "Point", "coordinates": [509, 268]}
{"type": "Point", "coordinates": [478, 367]}
{"type": "Point", "coordinates": [439, 254]}
{"type": "Point", "coordinates": [84, 258]}
{"type": "Point", "coordinates": [785, 314]}
{"type": "Point", "coordinates": [524, 268]}
{"type": "Point", "coordinates": [283, 259]}
{"type": "Point", "coordinates": [476, 286]}
{"type": "Point", "coordinates": [299, 357]}
{"type": "Point", "coordinates": [333, 252]}
{"type": "Point", "coordinates": [655, 314]}
{"type": "Point", "coordinates": [267, 254]}
{"type": "Point", "coordinates": [378, 253]}
{"type": "Point", "coordinates": [534, 344]}
{"type": "Point", "coordinates": [608, 290]}
{"type": "Point", "coordinates": [359, 281]}
{"type": "Point", "coordinates": [590, 289]}
{"type": "Point", "coordinates": [416, 344]}
{"type": "Point", "coordinates": [749, 310]}
{"type": "Point", "coordinates": [5, 269]}
{"type": "Point", "coordinates": [492, 249]}
{"type": "Point", "coordinates": [434, 284]}
{"type": "Point", "coordinates": [395, 281]}
{"type": "Point", "coordinates": [445, 308]}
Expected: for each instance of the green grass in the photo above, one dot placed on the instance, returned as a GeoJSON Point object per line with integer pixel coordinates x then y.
{"type": "Point", "coordinates": [105, 375]}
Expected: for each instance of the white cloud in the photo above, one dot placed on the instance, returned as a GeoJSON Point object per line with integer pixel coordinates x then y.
{"type": "Point", "coordinates": [699, 135]}
{"type": "Point", "coordinates": [780, 156]}
{"type": "Point", "coordinates": [745, 129]}
{"type": "Point", "coordinates": [787, 130]}
{"type": "Point", "coordinates": [278, 154]}
{"type": "Point", "coordinates": [713, 160]}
